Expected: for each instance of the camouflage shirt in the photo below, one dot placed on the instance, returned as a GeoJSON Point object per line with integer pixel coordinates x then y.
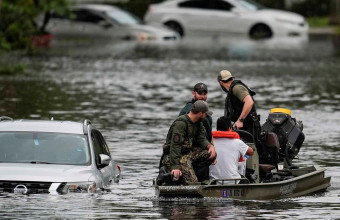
{"type": "Point", "coordinates": [207, 123]}
{"type": "Point", "coordinates": [182, 135]}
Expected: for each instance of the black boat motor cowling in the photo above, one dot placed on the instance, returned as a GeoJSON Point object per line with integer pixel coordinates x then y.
{"type": "Point", "coordinates": [288, 131]}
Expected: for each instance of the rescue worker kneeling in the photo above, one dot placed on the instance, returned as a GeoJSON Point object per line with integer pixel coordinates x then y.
{"type": "Point", "coordinates": [230, 150]}
{"type": "Point", "coordinates": [186, 147]}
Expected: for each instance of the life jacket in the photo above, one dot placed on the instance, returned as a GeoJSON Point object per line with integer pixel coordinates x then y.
{"type": "Point", "coordinates": [227, 134]}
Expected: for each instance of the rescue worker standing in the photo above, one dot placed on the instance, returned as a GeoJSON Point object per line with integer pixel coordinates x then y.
{"type": "Point", "coordinates": [187, 130]}
{"type": "Point", "coordinates": [239, 104]}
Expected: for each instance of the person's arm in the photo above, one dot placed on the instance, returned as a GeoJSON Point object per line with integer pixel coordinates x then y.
{"type": "Point", "coordinates": [202, 141]}
{"type": "Point", "coordinates": [244, 148]}
{"type": "Point", "coordinates": [248, 105]}
{"type": "Point", "coordinates": [250, 151]}
{"type": "Point", "coordinates": [176, 143]}
{"type": "Point", "coordinates": [212, 151]}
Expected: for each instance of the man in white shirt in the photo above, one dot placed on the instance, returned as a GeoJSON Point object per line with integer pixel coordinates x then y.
{"type": "Point", "coordinates": [229, 149]}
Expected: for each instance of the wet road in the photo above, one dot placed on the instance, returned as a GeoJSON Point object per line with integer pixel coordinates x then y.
{"type": "Point", "coordinates": [133, 96]}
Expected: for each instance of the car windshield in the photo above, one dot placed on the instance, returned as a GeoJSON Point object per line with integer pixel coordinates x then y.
{"type": "Point", "coordinates": [123, 17]}
{"type": "Point", "coordinates": [251, 5]}
{"type": "Point", "coordinates": [43, 147]}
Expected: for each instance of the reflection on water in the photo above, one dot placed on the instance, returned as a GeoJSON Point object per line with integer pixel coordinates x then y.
{"type": "Point", "coordinates": [241, 47]}
{"type": "Point", "coordinates": [133, 96]}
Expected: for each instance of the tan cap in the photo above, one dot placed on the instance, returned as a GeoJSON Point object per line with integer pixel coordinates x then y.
{"type": "Point", "coordinates": [224, 75]}
{"type": "Point", "coordinates": [201, 106]}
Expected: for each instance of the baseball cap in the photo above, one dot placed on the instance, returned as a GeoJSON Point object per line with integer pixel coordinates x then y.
{"type": "Point", "coordinates": [224, 75]}
{"type": "Point", "coordinates": [201, 106]}
{"type": "Point", "coordinates": [200, 87]}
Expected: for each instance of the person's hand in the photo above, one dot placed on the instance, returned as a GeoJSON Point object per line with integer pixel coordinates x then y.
{"type": "Point", "coordinates": [211, 150]}
{"type": "Point", "coordinates": [176, 173]}
{"type": "Point", "coordinates": [237, 125]}
{"type": "Point", "coordinates": [215, 162]}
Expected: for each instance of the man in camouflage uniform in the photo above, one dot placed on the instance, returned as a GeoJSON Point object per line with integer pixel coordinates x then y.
{"type": "Point", "coordinates": [200, 92]}
{"type": "Point", "coordinates": [179, 155]}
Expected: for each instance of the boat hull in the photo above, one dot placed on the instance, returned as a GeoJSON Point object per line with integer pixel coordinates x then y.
{"type": "Point", "coordinates": [306, 180]}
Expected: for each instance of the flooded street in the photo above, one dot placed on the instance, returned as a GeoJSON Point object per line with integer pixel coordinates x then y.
{"type": "Point", "coordinates": [133, 96]}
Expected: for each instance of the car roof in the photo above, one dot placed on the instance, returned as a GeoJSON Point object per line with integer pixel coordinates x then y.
{"type": "Point", "coordinates": [42, 126]}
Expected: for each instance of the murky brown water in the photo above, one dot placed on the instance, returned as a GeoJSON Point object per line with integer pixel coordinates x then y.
{"type": "Point", "coordinates": [134, 95]}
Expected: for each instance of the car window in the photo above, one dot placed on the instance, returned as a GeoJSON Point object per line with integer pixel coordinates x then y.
{"type": "Point", "coordinates": [251, 5]}
{"type": "Point", "coordinates": [86, 16]}
{"type": "Point", "coordinates": [43, 147]}
{"type": "Point", "coordinates": [221, 5]}
{"type": "Point", "coordinates": [123, 17]}
{"type": "Point", "coordinates": [100, 146]}
{"type": "Point", "coordinates": [202, 4]}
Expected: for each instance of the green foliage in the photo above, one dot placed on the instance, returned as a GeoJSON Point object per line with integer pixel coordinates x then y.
{"type": "Point", "coordinates": [14, 26]}
{"type": "Point", "coordinates": [311, 8]}
{"type": "Point", "coordinates": [17, 21]}
{"type": "Point", "coordinates": [318, 21]}
{"type": "Point", "coordinates": [337, 30]}
{"type": "Point", "coordinates": [10, 69]}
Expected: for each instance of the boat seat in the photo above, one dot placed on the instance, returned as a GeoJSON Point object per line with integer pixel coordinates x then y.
{"type": "Point", "coordinates": [272, 144]}
{"type": "Point", "coordinates": [266, 168]}
{"type": "Point", "coordinates": [272, 140]}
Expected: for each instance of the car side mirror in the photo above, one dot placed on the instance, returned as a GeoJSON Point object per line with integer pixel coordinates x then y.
{"type": "Point", "coordinates": [105, 24]}
{"type": "Point", "coordinates": [104, 160]}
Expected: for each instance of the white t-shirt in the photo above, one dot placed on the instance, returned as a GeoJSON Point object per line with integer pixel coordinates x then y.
{"type": "Point", "coordinates": [228, 154]}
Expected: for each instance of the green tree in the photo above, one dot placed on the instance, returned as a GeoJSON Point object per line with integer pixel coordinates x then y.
{"type": "Point", "coordinates": [334, 17]}
{"type": "Point", "coordinates": [312, 8]}
{"type": "Point", "coordinates": [17, 21]}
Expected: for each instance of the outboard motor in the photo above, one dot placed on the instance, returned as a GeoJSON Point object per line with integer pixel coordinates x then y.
{"type": "Point", "coordinates": [288, 131]}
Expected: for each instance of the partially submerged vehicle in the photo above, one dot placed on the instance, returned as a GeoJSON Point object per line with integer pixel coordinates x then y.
{"type": "Point", "coordinates": [270, 172]}
{"type": "Point", "coordinates": [56, 157]}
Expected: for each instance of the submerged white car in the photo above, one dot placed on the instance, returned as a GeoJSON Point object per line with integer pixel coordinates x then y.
{"type": "Point", "coordinates": [99, 23]}
{"type": "Point", "coordinates": [57, 157]}
{"type": "Point", "coordinates": [225, 16]}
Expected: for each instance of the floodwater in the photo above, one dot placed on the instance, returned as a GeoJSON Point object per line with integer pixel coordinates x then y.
{"type": "Point", "coordinates": [133, 93]}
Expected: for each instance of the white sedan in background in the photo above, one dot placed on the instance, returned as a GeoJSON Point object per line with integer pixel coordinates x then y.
{"type": "Point", "coordinates": [192, 17]}
{"type": "Point", "coordinates": [100, 23]}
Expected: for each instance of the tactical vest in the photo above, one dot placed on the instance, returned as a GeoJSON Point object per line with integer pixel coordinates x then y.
{"type": "Point", "coordinates": [233, 106]}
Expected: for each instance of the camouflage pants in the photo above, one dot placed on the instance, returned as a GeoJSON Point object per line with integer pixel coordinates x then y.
{"type": "Point", "coordinates": [196, 158]}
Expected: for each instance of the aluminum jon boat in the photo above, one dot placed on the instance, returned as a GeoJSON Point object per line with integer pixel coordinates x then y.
{"type": "Point", "coordinates": [299, 182]}
{"type": "Point", "coordinates": [269, 174]}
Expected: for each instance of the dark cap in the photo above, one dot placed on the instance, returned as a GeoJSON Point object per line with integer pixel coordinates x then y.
{"type": "Point", "coordinates": [200, 87]}
{"type": "Point", "coordinates": [201, 106]}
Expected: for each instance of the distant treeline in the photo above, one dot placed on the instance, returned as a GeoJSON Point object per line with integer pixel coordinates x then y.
{"type": "Point", "coordinates": [307, 8]}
